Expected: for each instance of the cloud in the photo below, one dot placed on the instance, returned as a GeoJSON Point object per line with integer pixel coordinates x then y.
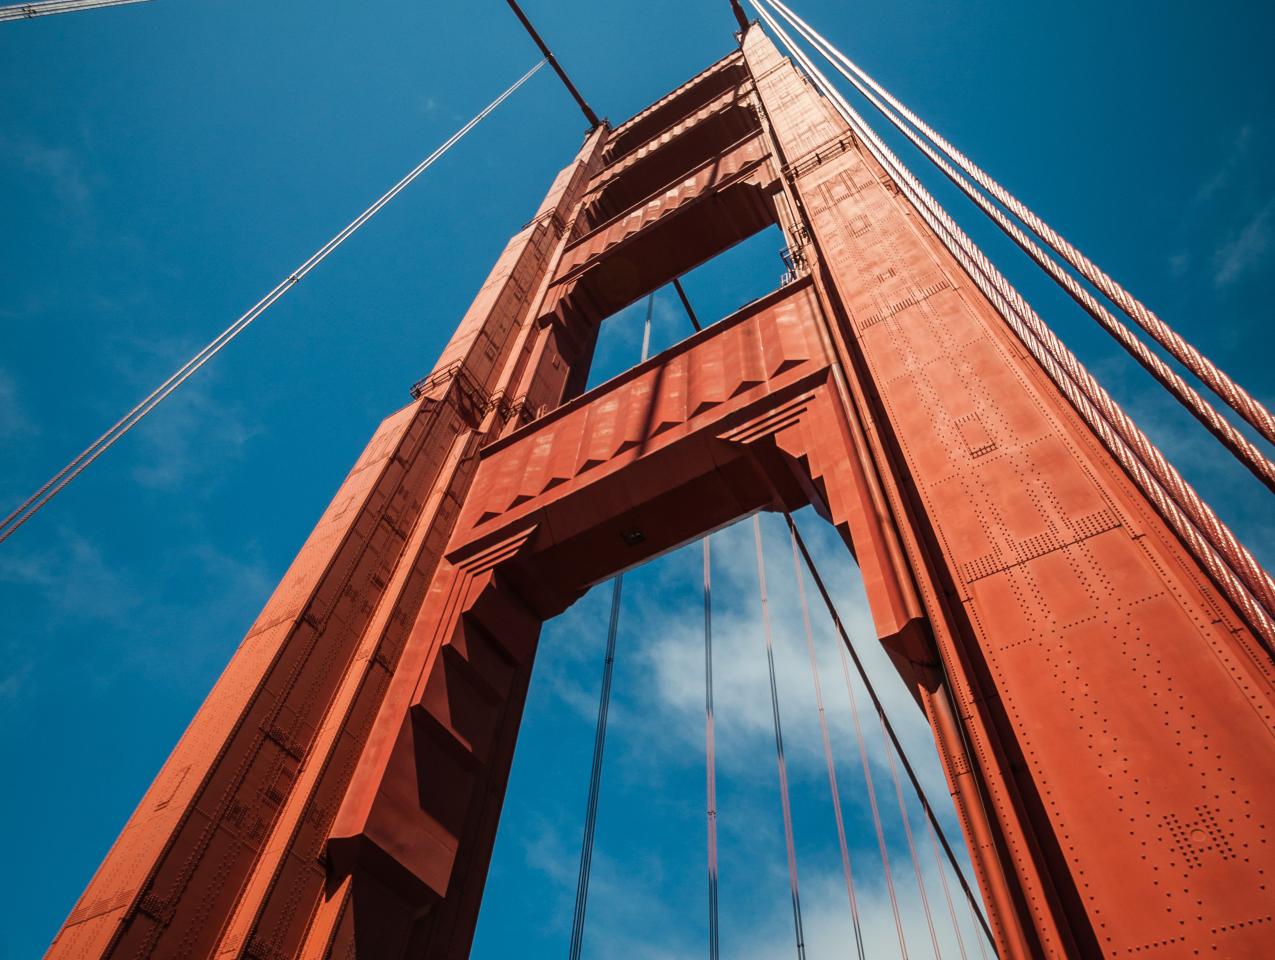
{"type": "Point", "coordinates": [1245, 248]}
{"type": "Point", "coordinates": [58, 166]}
{"type": "Point", "coordinates": [1231, 165]}
{"type": "Point", "coordinates": [673, 658]}
{"type": "Point", "coordinates": [14, 422]}
{"type": "Point", "coordinates": [190, 435]}
{"type": "Point", "coordinates": [73, 579]}
{"type": "Point", "coordinates": [105, 613]}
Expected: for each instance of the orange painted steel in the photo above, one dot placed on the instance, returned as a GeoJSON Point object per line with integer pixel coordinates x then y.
{"type": "Point", "coordinates": [1102, 713]}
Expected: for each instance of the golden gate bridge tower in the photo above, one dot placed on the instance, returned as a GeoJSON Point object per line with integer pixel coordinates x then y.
{"type": "Point", "coordinates": [1089, 646]}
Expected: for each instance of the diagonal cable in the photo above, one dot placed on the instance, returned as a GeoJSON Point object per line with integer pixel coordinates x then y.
{"type": "Point", "coordinates": [885, 721]}
{"type": "Point", "coordinates": [29, 11]}
{"type": "Point", "coordinates": [58, 482]}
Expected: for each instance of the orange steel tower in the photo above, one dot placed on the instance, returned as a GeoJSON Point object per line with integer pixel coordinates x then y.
{"type": "Point", "coordinates": [1102, 712]}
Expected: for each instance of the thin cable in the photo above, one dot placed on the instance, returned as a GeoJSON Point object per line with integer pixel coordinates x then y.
{"type": "Point", "coordinates": [885, 720]}
{"type": "Point", "coordinates": [977, 916]}
{"type": "Point", "coordinates": [34, 503]}
{"type": "Point", "coordinates": [907, 832]}
{"type": "Point", "coordinates": [710, 757]}
{"type": "Point", "coordinates": [779, 747]}
{"type": "Point", "coordinates": [827, 753]}
{"type": "Point", "coordinates": [947, 890]}
{"type": "Point", "coordinates": [595, 778]}
{"type": "Point", "coordinates": [1235, 441]}
{"type": "Point", "coordinates": [28, 11]}
{"type": "Point", "coordinates": [1227, 561]}
{"type": "Point", "coordinates": [872, 800]}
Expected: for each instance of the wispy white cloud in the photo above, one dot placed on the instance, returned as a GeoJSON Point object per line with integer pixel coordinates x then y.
{"type": "Point", "coordinates": [95, 607]}
{"type": "Point", "coordinates": [14, 422]}
{"type": "Point", "coordinates": [1231, 164]}
{"type": "Point", "coordinates": [1247, 247]}
{"type": "Point", "coordinates": [657, 730]}
{"type": "Point", "coordinates": [193, 433]}
{"type": "Point", "coordinates": [74, 579]}
{"type": "Point", "coordinates": [57, 166]}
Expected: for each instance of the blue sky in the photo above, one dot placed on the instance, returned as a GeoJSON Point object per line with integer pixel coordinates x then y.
{"type": "Point", "coordinates": [163, 165]}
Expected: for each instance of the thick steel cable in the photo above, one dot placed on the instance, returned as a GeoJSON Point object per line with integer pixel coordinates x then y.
{"type": "Point", "coordinates": [686, 302]}
{"type": "Point", "coordinates": [849, 648]}
{"type": "Point", "coordinates": [782, 764]}
{"type": "Point", "coordinates": [947, 891]}
{"type": "Point", "coordinates": [58, 482]}
{"type": "Point", "coordinates": [1221, 428]}
{"type": "Point", "coordinates": [907, 833]}
{"type": "Point", "coordinates": [1235, 396]}
{"type": "Point", "coordinates": [595, 778]}
{"type": "Point", "coordinates": [827, 752]}
{"type": "Point", "coordinates": [1227, 561]}
{"type": "Point", "coordinates": [710, 757]}
{"type": "Point", "coordinates": [28, 11]}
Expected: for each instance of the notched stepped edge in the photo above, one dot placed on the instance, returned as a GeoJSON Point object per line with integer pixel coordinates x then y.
{"type": "Point", "coordinates": [733, 59]}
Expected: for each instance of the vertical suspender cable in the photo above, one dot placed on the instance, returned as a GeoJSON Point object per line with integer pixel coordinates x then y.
{"type": "Point", "coordinates": [947, 891]}
{"type": "Point", "coordinates": [1232, 393]}
{"type": "Point", "coordinates": [599, 737]}
{"type": "Point", "coordinates": [872, 801]}
{"type": "Point", "coordinates": [595, 778]}
{"type": "Point", "coordinates": [885, 720]}
{"type": "Point", "coordinates": [827, 753]}
{"type": "Point", "coordinates": [1232, 567]}
{"type": "Point", "coordinates": [1235, 441]}
{"type": "Point", "coordinates": [58, 482]}
{"type": "Point", "coordinates": [976, 916]}
{"type": "Point", "coordinates": [779, 747]}
{"type": "Point", "coordinates": [646, 328]}
{"type": "Point", "coordinates": [907, 832]}
{"type": "Point", "coordinates": [710, 756]}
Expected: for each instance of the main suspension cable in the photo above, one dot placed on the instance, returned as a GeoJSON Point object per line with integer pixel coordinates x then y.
{"type": "Point", "coordinates": [710, 757]}
{"type": "Point", "coordinates": [1232, 393]}
{"type": "Point", "coordinates": [58, 482]}
{"type": "Point", "coordinates": [595, 777]}
{"type": "Point", "coordinates": [1235, 441]}
{"type": "Point", "coordinates": [885, 721]}
{"type": "Point", "coordinates": [827, 753]}
{"type": "Point", "coordinates": [1227, 561]}
{"type": "Point", "coordinates": [29, 11]}
{"type": "Point", "coordinates": [779, 747]}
